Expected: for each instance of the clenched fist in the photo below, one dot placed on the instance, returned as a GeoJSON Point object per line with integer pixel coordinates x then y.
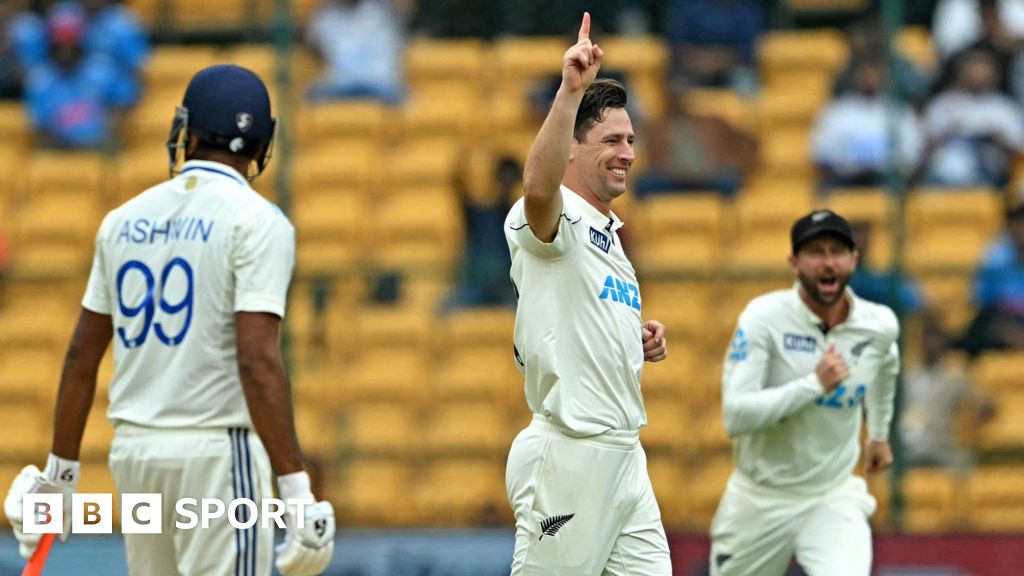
{"type": "Point", "coordinates": [832, 369]}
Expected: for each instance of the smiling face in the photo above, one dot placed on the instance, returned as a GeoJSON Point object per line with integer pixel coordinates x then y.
{"type": "Point", "coordinates": [598, 164]}
{"type": "Point", "coordinates": [824, 266]}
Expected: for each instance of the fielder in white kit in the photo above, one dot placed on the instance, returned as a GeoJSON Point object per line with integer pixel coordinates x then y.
{"type": "Point", "coordinates": [803, 366]}
{"type": "Point", "coordinates": [577, 475]}
{"type": "Point", "coordinates": [189, 280]}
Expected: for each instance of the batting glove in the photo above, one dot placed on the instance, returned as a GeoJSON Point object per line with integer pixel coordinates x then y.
{"type": "Point", "coordinates": [59, 477]}
{"type": "Point", "coordinates": [308, 549]}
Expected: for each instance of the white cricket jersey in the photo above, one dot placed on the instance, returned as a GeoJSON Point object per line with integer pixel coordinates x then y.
{"type": "Point", "coordinates": [172, 267]}
{"type": "Point", "coordinates": [578, 332]}
{"type": "Point", "coordinates": [787, 432]}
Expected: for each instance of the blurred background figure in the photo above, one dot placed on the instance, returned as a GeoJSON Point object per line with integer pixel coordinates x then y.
{"type": "Point", "coordinates": [999, 292]}
{"type": "Point", "coordinates": [714, 43]}
{"type": "Point", "coordinates": [972, 129]}
{"type": "Point", "coordinates": [866, 40]}
{"type": "Point", "coordinates": [957, 24]}
{"type": "Point", "coordinates": [694, 152]}
{"type": "Point", "coordinates": [19, 29]}
{"type": "Point", "coordinates": [361, 44]}
{"type": "Point", "coordinates": [935, 395]}
{"type": "Point", "coordinates": [483, 278]}
{"type": "Point", "coordinates": [852, 139]}
{"type": "Point", "coordinates": [75, 98]}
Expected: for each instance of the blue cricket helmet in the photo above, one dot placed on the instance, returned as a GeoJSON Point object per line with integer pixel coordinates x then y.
{"type": "Point", "coordinates": [226, 106]}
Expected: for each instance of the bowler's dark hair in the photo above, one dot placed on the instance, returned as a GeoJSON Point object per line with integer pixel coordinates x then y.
{"type": "Point", "coordinates": [601, 95]}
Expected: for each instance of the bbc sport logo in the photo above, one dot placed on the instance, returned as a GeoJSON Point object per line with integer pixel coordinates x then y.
{"type": "Point", "coordinates": [143, 513]}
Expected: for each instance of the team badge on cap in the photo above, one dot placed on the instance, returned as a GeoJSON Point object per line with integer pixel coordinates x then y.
{"type": "Point", "coordinates": [244, 121]}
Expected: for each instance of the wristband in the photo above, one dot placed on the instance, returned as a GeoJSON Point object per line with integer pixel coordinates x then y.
{"type": "Point", "coordinates": [61, 471]}
{"type": "Point", "coordinates": [294, 485]}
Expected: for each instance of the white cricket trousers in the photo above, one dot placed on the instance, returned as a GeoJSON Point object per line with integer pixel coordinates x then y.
{"type": "Point", "coordinates": [223, 463]}
{"type": "Point", "coordinates": [758, 529]}
{"type": "Point", "coordinates": [583, 506]}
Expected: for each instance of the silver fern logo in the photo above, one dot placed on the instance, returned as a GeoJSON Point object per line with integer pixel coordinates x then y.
{"type": "Point", "coordinates": [551, 526]}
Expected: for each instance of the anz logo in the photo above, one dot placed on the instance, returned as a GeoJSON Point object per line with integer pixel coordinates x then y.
{"type": "Point", "coordinates": [621, 291]}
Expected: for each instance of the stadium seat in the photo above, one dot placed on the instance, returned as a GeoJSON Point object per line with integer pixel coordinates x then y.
{"type": "Point", "coordinates": [432, 59]}
{"type": "Point", "coordinates": [480, 372]}
{"type": "Point", "coordinates": [14, 123]}
{"type": "Point", "coordinates": [463, 492]}
{"type": "Point", "coordinates": [669, 427]}
{"type": "Point", "coordinates": [362, 123]}
{"type": "Point", "coordinates": [342, 167]}
{"type": "Point", "coordinates": [467, 428]}
{"type": "Point", "coordinates": [996, 372]}
{"type": "Point", "coordinates": [25, 431]}
{"type": "Point", "coordinates": [787, 151]}
{"type": "Point", "coordinates": [383, 327]}
{"type": "Point", "coordinates": [675, 378]}
{"type": "Point", "coordinates": [446, 109]}
{"type": "Point", "coordinates": [950, 296]}
{"type": "Point", "coordinates": [869, 205]}
{"type": "Point", "coordinates": [138, 170]}
{"type": "Point", "coordinates": [995, 499]}
{"type": "Point", "coordinates": [1006, 430]}
{"type": "Point", "coordinates": [380, 429]}
{"type": "Point", "coordinates": [670, 482]}
{"type": "Point", "coordinates": [65, 174]}
{"type": "Point", "coordinates": [329, 231]}
{"type": "Point", "coordinates": [484, 327]}
{"type": "Point", "coordinates": [791, 106]}
{"type": "Point", "coordinates": [727, 105]}
{"type": "Point", "coordinates": [915, 44]}
{"type": "Point", "coordinates": [521, 61]}
{"type": "Point", "coordinates": [317, 428]}
{"type": "Point", "coordinates": [421, 163]}
{"type": "Point", "coordinates": [931, 208]}
{"type": "Point", "coordinates": [680, 231]}
{"type": "Point", "coordinates": [931, 501]}
{"type": "Point", "coordinates": [170, 67]}
{"type": "Point", "coordinates": [782, 52]}
{"type": "Point", "coordinates": [373, 492]}
{"type": "Point", "coordinates": [29, 372]}
{"type": "Point", "coordinates": [417, 230]}
{"type": "Point", "coordinates": [384, 374]}
{"type": "Point", "coordinates": [684, 307]}
{"type": "Point", "coordinates": [707, 485]}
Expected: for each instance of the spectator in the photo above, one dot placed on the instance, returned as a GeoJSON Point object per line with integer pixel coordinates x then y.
{"type": "Point", "coordinates": [934, 394]}
{"type": "Point", "coordinates": [999, 292]}
{"type": "Point", "coordinates": [1001, 43]}
{"type": "Point", "coordinates": [852, 141]}
{"type": "Point", "coordinates": [113, 31]}
{"type": "Point", "coordinates": [873, 284]}
{"type": "Point", "coordinates": [972, 129]}
{"type": "Point", "coordinates": [714, 42]}
{"type": "Point", "coordinates": [73, 98]}
{"type": "Point", "coordinates": [361, 43]}
{"type": "Point", "coordinates": [484, 278]}
{"type": "Point", "coordinates": [22, 33]}
{"type": "Point", "coordinates": [958, 24]}
{"type": "Point", "coordinates": [695, 152]}
{"type": "Point", "coordinates": [866, 40]}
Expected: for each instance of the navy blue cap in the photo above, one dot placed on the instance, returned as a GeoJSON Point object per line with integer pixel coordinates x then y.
{"type": "Point", "coordinates": [819, 223]}
{"type": "Point", "coordinates": [229, 101]}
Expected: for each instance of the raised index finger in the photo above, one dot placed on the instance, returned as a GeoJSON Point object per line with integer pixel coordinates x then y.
{"type": "Point", "coordinates": [585, 28]}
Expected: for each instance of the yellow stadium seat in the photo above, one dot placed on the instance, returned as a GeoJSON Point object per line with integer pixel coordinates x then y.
{"type": "Point", "coordinates": [680, 230]}
{"type": "Point", "coordinates": [998, 372]}
{"type": "Point", "coordinates": [684, 307]}
{"type": "Point", "coordinates": [673, 377]}
{"type": "Point", "coordinates": [1006, 430]}
{"type": "Point", "coordinates": [14, 123]}
{"type": "Point", "coordinates": [670, 482]}
{"type": "Point", "coordinates": [870, 205]}
{"type": "Point", "coordinates": [25, 430]}
{"type": "Point", "coordinates": [950, 296]}
{"type": "Point", "coordinates": [995, 499]}
{"type": "Point", "coordinates": [400, 374]}
{"type": "Point", "coordinates": [823, 51]}
{"type": "Point", "coordinates": [422, 163]}
{"type": "Point", "coordinates": [432, 59]}
{"type": "Point", "coordinates": [791, 106]}
{"type": "Point", "coordinates": [915, 44]}
{"type": "Point", "coordinates": [945, 248]}
{"type": "Point", "coordinates": [787, 151]}
{"type": "Point", "coordinates": [417, 230]}
{"type": "Point", "coordinates": [380, 328]}
{"type": "Point", "coordinates": [486, 327]}
{"type": "Point", "coordinates": [728, 105]}
{"type": "Point", "coordinates": [29, 372]}
{"type": "Point", "coordinates": [377, 428]}
{"type": "Point", "coordinates": [329, 231]}
{"type": "Point", "coordinates": [439, 109]}
{"type": "Point", "coordinates": [463, 492]}
{"type": "Point", "coordinates": [520, 60]}
{"type": "Point", "coordinates": [706, 488]}
{"type": "Point", "coordinates": [931, 501]}
{"type": "Point", "coordinates": [140, 169]}
{"type": "Point", "coordinates": [67, 173]}
{"type": "Point", "coordinates": [480, 372]}
{"type": "Point", "coordinates": [362, 122]}
{"type": "Point", "coordinates": [979, 209]}
{"type": "Point", "coordinates": [373, 492]}
{"type": "Point", "coordinates": [669, 425]}
{"type": "Point", "coordinates": [171, 67]}
{"type": "Point", "coordinates": [468, 427]}
{"type": "Point", "coordinates": [317, 428]}
{"type": "Point", "coordinates": [337, 167]}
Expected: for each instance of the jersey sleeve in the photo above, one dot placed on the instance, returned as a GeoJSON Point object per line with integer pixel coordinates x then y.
{"type": "Point", "coordinates": [880, 395]}
{"type": "Point", "coordinates": [519, 233]}
{"type": "Point", "coordinates": [98, 294]}
{"type": "Point", "coordinates": [747, 405]}
{"type": "Point", "coordinates": [263, 258]}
